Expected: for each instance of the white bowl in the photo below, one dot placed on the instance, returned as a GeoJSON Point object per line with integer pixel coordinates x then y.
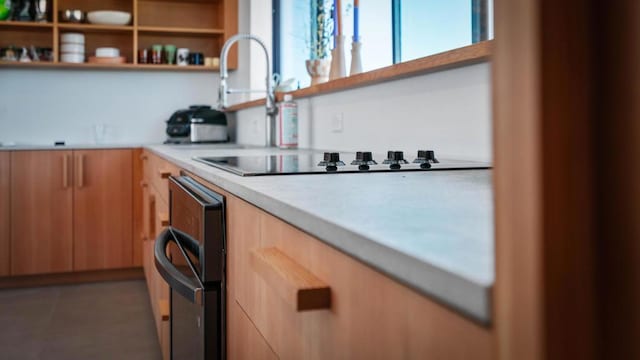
{"type": "Point", "coordinates": [107, 52]}
{"type": "Point", "coordinates": [68, 48]}
{"type": "Point", "coordinates": [108, 17]}
{"type": "Point", "coordinates": [72, 58]}
{"type": "Point", "coordinates": [72, 38]}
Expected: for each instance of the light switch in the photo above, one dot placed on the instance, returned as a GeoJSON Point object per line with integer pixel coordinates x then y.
{"type": "Point", "coordinates": [337, 122]}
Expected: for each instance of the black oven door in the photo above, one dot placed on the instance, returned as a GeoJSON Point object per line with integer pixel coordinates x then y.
{"type": "Point", "coordinates": [196, 317]}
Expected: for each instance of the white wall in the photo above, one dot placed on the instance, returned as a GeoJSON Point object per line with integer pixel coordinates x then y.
{"type": "Point", "coordinates": [447, 111]}
{"type": "Point", "coordinates": [41, 106]}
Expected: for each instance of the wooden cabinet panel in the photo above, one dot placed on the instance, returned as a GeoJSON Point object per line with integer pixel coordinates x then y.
{"type": "Point", "coordinates": [138, 233]}
{"type": "Point", "coordinates": [371, 316]}
{"type": "Point", "coordinates": [158, 173]}
{"type": "Point", "coordinates": [244, 340]}
{"type": "Point", "coordinates": [153, 210]}
{"type": "Point", "coordinates": [5, 204]}
{"type": "Point", "coordinates": [41, 212]}
{"type": "Point", "coordinates": [103, 201]}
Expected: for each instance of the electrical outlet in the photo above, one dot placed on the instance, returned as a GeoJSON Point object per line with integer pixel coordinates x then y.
{"type": "Point", "coordinates": [337, 122]}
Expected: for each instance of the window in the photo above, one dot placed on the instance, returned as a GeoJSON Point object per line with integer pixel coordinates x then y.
{"type": "Point", "coordinates": [391, 31]}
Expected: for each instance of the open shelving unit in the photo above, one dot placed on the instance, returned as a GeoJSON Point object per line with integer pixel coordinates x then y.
{"type": "Point", "coordinates": [199, 25]}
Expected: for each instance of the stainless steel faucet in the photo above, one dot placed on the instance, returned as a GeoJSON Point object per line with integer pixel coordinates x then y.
{"type": "Point", "coordinates": [224, 90]}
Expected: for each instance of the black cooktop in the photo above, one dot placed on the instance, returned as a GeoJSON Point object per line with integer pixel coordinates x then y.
{"type": "Point", "coordinates": [335, 163]}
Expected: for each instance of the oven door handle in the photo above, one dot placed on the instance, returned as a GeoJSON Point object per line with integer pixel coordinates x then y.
{"type": "Point", "coordinates": [176, 279]}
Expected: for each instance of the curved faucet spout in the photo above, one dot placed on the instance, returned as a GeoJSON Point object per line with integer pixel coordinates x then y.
{"type": "Point", "coordinates": [224, 73]}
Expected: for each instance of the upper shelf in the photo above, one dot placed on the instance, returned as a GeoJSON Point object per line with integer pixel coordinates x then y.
{"type": "Point", "coordinates": [25, 25]}
{"type": "Point", "coordinates": [91, 66]}
{"type": "Point", "coordinates": [179, 30]}
{"type": "Point", "coordinates": [95, 28]}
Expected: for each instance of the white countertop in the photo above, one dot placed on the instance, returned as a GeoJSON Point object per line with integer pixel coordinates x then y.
{"type": "Point", "coordinates": [433, 231]}
{"type": "Point", "coordinates": [26, 147]}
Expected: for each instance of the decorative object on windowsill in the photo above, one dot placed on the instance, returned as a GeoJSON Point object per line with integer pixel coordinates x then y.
{"type": "Point", "coordinates": [356, 45]}
{"type": "Point", "coordinates": [338, 63]}
{"type": "Point", "coordinates": [319, 63]}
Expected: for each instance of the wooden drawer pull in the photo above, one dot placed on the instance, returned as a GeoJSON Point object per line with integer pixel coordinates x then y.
{"type": "Point", "coordinates": [164, 174]}
{"type": "Point", "coordinates": [163, 306]}
{"type": "Point", "coordinates": [293, 283]}
{"type": "Point", "coordinates": [164, 219]}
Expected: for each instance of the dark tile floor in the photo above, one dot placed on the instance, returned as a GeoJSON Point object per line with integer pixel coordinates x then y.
{"type": "Point", "coordinates": [110, 320]}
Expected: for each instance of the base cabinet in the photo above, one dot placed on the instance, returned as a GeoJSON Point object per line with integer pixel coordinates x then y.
{"type": "Point", "coordinates": [69, 211]}
{"type": "Point", "coordinates": [102, 210]}
{"type": "Point", "coordinates": [155, 217]}
{"type": "Point", "coordinates": [5, 205]}
{"type": "Point", "coordinates": [41, 212]}
{"type": "Point", "coordinates": [368, 315]}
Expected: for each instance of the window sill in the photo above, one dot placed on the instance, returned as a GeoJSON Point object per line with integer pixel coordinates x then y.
{"type": "Point", "coordinates": [467, 55]}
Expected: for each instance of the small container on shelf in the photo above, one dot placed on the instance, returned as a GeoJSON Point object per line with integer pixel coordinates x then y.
{"type": "Point", "coordinates": [72, 47]}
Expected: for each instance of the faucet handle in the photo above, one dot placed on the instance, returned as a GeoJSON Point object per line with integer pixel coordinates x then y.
{"type": "Point", "coordinates": [222, 94]}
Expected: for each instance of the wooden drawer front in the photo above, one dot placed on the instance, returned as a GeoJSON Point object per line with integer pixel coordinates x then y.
{"type": "Point", "coordinates": [243, 339]}
{"type": "Point", "coordinates": [371, 316]}
{"type": "Point", "coordinates": [158, 172]}
{"type": "Point", "coordinates": [158, 292]}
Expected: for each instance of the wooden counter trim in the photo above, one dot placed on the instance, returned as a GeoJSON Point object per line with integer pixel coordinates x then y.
{"type": "Point", "coordinates": [467, 55]}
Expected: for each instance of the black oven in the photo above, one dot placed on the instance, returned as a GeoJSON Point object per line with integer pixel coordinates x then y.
{"type": "Point", "coordinates": [190, 256]}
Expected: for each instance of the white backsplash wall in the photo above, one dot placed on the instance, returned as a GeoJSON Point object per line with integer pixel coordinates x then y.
{"type": "Point", "coordinates": [447, 111]}
{"type": "Point", "coordinates": [41, 106]}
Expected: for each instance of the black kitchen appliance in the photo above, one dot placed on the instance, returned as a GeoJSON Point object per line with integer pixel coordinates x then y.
{"type": "Point", "coordinates": [197, 124]}
{"type": "Point", "coordinates": [305, 162]}
{"type": "Point", "coordinates": [190, 256]}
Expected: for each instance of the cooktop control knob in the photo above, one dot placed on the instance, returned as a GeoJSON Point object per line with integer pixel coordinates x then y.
{"type": "Point", "coordinates": [426, 158]}
{"type": "Point", "coordinates": [395, 159]}
{"type": "Point", "coordinates": [331, 161]}
{"type": "Point", "coordinates": [363, 160]}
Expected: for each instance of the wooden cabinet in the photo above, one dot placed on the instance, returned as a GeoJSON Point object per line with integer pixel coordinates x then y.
{"type": "Point", "coordinates": [70, 211]}
{"type": "Point", "coordinates": [155, 217]}
{"type": "Point", "coordinates": [201, 26]}
{"type": "Point", "coordinates": [5, 205]}
{"type": "Point", "coordinates": [244, 340]}
{"type": "Point", "coordinates": [103, 209]}
{"type": "Point", "coordinates": [276, 273]}
{"type": "Point", "coordinates": [369, 316]}
{"type": "Point", "coordinates": [41, 212]}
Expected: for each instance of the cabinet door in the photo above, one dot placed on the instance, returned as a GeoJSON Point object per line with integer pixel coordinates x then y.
{"type": "Point", "coordinates": [103, 206]}
{"type": "Point", "coordinates": [5, 265]}
{"type": "Point", "coordinates": [41, 212]}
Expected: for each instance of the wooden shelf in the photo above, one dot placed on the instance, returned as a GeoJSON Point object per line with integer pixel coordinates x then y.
{"type": "Point", "coordinates": [177, 68]}
{"type": "Point", "coordinates": [26, 25]}
{"type": "Point", "coordinates": [178, 30]}
{"type": "Point", "coordinates": [467, 55]}
{"type": "Point", "coordinates": [144, 67]}
{"type": "Point", "coordinates": [199, 25]}
{"type": "Point", "coordinates": [96, 28]}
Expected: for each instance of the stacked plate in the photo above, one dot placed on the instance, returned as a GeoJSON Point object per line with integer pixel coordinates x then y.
{"type": "Point", "coordinates": [72, 48]}
{"type": "Point", "coordinates": [107, 55]}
